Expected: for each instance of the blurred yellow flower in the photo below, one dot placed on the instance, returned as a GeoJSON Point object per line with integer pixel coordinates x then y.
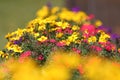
{"type": "Point", "coordinates": [54, 10]}
{"type": "Point", "coordinates": [74, 27]}
{"type": "Point", "coordinates": [42, 13]}
{"type": "Point", "coordinates": [98, 23]}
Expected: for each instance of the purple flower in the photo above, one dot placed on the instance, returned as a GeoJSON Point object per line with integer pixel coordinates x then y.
{"type": "Point", "coordinates": [115, 36]}
{"type": "Point", "coordinates": [75, 9]}
{"type": "Point", "coordinates": [106, 29]}
{"type": "Point", "coordinates": [18, 41]}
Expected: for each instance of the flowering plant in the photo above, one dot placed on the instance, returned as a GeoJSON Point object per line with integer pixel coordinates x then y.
{"type": "Point", "coordinates": [56, 28]}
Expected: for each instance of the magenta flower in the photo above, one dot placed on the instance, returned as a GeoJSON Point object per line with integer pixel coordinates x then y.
{"type": "Point", "coordinates": [109, 46]}
{"type": "Point", "coordinates": [59, 30]}
{"type": "Point", "coordinates": [90, 17]}
{"type": "Point", "coordinates": [52, 40]}
{"type": "Point", "coordinates": [40, 57]}
{"type": "Point", "coordinates": [68, 31]}
{"type": "Point", "coordinates": [24, 55]}
{"type": "Point", "coordinates": [74, 49]}
{"type": "Point", "coordinates": [60, 44]}
{"type": "Point", "coordinates": [97, 48]}
{"type": "Point", "coordinates": [88, 30]}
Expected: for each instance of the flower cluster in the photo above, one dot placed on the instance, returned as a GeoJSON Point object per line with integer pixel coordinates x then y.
{"type": "Point", "coordinates": [56, 28]}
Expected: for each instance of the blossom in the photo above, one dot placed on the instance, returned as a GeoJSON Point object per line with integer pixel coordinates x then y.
{"type": "Point", "coordinates": [42, 39]}
{"type": "Point", "coordinates": [97, 48]}
{"type": "Point", "coordinates": [60, 44]}
{"type": "Point", "coordinates": [68, 31]}
{"type": "Point", "coordinates": [104, 37]}
{"type": "Point", "coordinates": [98, 23]}
{"type": "Point", "coordinates": [73, 37]}
{"type": "Point", "coordinates": [24, 55]}
{"type": "Point", "coordinates": [41, 14]}
{"type": "Point", "coordinates": [58, 35]}
{"type": "Point", "coordinates": [88, 30]}
{"type": "Point", "coordinates": [92, 39]}
{"type": "Point", "coordinates": [91, 16]}
{"type": "Point", "coordinates": [74, 27]}
{"type": "Point", "coordinates": [119, 50]}
{"type": "Point", "coordinates": [54, 10]}
{"type": "Point", "coordinates": [40, 57]}
{"type": "Point", "coordinates": [52, 40]}
{"type": "Point", "coordinates": [75, 9]}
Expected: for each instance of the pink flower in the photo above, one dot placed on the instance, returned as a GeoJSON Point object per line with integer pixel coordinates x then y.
{"type": "Point", "coordinates": [88, 30]}
{"type": "Point", "coordinates": [74, 49]}
{"type": "Point", "coordinates": [97, 48]}
{"type": "Point", "coordinates": [24, 55]}
{"type": "Point", "coordinates": [60, 44]}
{"type": "Point", "coordinates": [78, 51]}
{"type": "Point", "coordinates": [40, 57]}
{"type": "Point", "coordinates": [59, 30]}
{"type": "Point", "coordinates": [68, 31]}
{"type": "Point", "coordinates": [91, 16]}
{"type": "Point", "coordinates": [110, 47]}
{"type": "Point", "coordinates": [52, 40]}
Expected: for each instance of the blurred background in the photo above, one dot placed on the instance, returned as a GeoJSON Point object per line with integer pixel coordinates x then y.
{"type": "Point", "coordinates": [17, 13]}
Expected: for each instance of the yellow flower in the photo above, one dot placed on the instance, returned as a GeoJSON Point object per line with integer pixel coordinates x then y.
{"type": "Point", "coordinates": [8, 45]}
{"type": "Point", "coordinates": [92, 39]}
{"type": "Point", "coordinates": [42, 27]}
{"type": "Point", "coordinates": [36, 35]}
{"type": "Point", "coordinates": [65, 14]}
{"type": "Point", "coordinates": [104, 37]}
{"type": "Point", "coordinates": [98, 23]}
{"type": "Point", "coordinates": [72, 38]}
{"type": "Point", "coordinates": [1, 53]}
{"type": "Point", "coordinates": [13, 47]}
{"type": "Point", "coordinates": [16, 48]}
{"type": "Point", "coordinates": [8, 35]}
{"type": "Point", "coordinates": [65, 25]}
{"type": "Point", "coordinates": [67, 42]}
{"type": "Point", "coordinates": [54, 10]}
{"type": "Point", "coordinates": [42, 13]}
{"type": "Point", "coordinates": [6, 57]}
{"type": "Point", "coordinates": [58, 35]}
{"type": "Point", "coordinates": [75, 27]}
{"type": "Point", "coordinates": [59, 23]}
{"type": "Point", "coordinates": [42, 39]}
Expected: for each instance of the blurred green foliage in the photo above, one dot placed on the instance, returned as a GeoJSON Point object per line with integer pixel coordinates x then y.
{"type": "Point", "coordinates": [17, 13]}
